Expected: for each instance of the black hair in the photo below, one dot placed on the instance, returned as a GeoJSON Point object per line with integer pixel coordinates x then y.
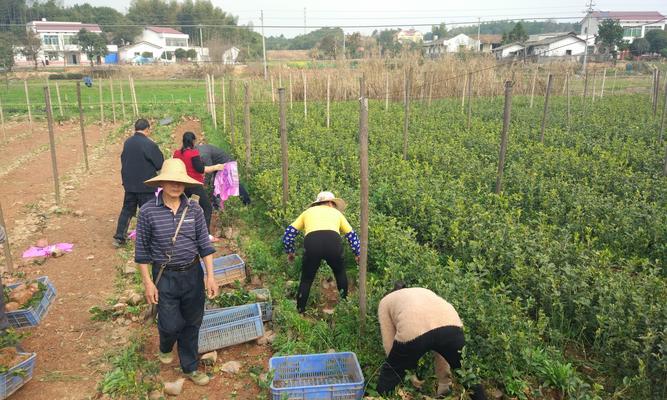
{"type": "Point", "coordinates": [398, 285]}
{"type": "Point", "coordinates": [142, 124]}
{"type": "Point", "coordinates": [189, 139]}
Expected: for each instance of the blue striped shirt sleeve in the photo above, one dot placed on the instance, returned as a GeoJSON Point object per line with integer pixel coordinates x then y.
{"type": "Point", "coordinates": [204, 246]}
{"type": "Point", "coordinates": [142, 250]}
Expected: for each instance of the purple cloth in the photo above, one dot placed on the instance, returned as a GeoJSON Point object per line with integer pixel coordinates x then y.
{"type": "Point", "coordinates": [226, 182]}
{"type": "Point", "coordinates": [46, 251]}
{"type": "Point", "coordinates": [132, 235]}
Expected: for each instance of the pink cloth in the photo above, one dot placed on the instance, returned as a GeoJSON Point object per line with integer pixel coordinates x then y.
{"type": "Point", "coordinates": [226, 182]}
{"type": "Point", "coordinates": [46, 251]}
{"type": "Point", "coordinates": [132, 235]}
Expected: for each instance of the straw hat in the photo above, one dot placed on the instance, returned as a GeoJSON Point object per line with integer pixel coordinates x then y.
{"type": "Point", "coordinates": [173, 170]}
{"type": "Point", "coordinates": [324, 197]}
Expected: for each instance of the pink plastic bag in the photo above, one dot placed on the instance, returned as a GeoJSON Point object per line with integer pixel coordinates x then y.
{"type": "Point", "coordinates": [226, 182]}
{"type": "Point", "coordinates": [46, 251]}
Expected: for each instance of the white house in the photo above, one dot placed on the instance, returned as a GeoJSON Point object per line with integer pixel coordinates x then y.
{"type": "Point", "coordinates": [635, 23]}
{"type": "Point", "coordinates": [230, 55]}
{"type": "Point", "coordinates": [509, 50]}
{"type": "Point", "coordinates": [567, 44]}
{"type": "Point", "coordinates": [409, 35]}
{"type": "Point", "coordinates": [58, 46]}
{"type": "Point", "coordinates": [160, 43]}
{"type": "Point", "coordinates": [455, 44]}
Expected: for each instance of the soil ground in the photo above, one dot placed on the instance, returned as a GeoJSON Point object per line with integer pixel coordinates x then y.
{"type": "Point", "coordinates": [71, 347]}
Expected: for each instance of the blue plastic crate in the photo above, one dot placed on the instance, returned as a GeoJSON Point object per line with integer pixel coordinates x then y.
{"type": "Point", "coordinates": [31, 316]}
{"type": "Point", "coordinates": [317, 376]}
{"type": "Point", "coordinates": [17, 376]}
{"type": "Point", "coordinates": [265, 306]}
{"type": "Point", "coordinates": [227, 327]}
{"type": "Point", "coordinates": [228, 269]}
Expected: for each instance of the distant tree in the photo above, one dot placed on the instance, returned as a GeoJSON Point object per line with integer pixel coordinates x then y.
{"type": "Point", "coordinates": [439, 30]}
{"type": "Point", "coordinates": [32, 45]}
{"type": "Point", "coordinates": [180, 54]}
{"type": "Point", "coordinates": [353, 43]}
{"type": "Point", "coordinates": [93, 44]}
{"type": "Point", "coordinates": [7, 42]}
{"type": "Point", "coordinates": [657, 39]}
{"type": "Point", "coordinates": [327, 47]}
{"type": "Point", "coordinates": [639, 46]}
{"type": "Point", "coordinates": [153, 12]}
{"type": "Point", "coordinates": [610, 35]}
{"type": "Point", "coordinates": [517, 34]}
{"type": "Point", "coordinates": [192, 54]}
{"type": "Point", "coordinates": [386, 40]}
{"type": "Point", "coordinates": [663, 52]}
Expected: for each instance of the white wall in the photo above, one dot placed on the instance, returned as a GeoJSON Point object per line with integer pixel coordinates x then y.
{"type": "Point", "coordinates": [127, 54]}
{"type": "Point", "coordinates": [561, 47]}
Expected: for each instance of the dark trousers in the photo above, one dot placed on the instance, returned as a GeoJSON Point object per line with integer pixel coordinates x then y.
{"type": "Point", "coordinates": [131, 202]}
{"type": "Point", "coordinates": [448, 341]}
{"type": "Point", "coordinates": [321, 245]}
{"type": "Point", "coordinates": [180, 311]}
{"type": "Point", "coordinates": [204, 202]}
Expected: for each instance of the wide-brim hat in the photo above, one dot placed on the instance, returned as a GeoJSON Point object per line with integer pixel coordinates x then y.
{"type": "Point", "coordinates": [173, 170]}
{"type": "Point", "coordinates": [324, 197]}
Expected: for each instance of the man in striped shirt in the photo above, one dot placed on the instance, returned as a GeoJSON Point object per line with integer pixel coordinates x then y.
{"type": "Point", "coordinates": [172, 236]}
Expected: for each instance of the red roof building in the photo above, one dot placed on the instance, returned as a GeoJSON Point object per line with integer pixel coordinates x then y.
{"type": "Point", "coordinates": [635, 23]}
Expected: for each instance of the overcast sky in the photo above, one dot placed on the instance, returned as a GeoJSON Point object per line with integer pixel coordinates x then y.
{"type": "Point", "coordinates": [357, 15]}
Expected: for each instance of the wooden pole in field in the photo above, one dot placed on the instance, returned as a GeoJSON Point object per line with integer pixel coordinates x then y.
{"type": "Point", "coordinates": [656, 96]}
{"type": "Point", "coordinates": [532, 88]}
{"type": "Point", "coordinates": [595, 81]}
{"type": "Point", "coordinates": [463, 93]}
{"type": "Point", "coordinates": [208, 94]}
{"type": "Point", "coordinates": [363, 217]}
{"type": "Point", "coordinates": [504, 136]}
{"type": "Point", "coordinates": [133, 94]}
{"type": "Point", "coordinates": [406, 113]}
{"type": "Point", "coordinates": [81, 124]}
{"type": "Point", "coordinates": [27, 101]}
{"type": "Point", "coordinates": [604, 80]}
{"type": "Point", "coordinates": [283, 147]}
{"type": "Point", "coordinates": [113, 100]}
{"type": "Point", "coordinates": [653, 85]}
{"type": "Point", "coordinates": [122, 101]}
{"type": "Point", "coordinates": [305, 93]}
{"type": "Point", "coordinates": [613, 83]}
{"type": "Point", "coordinates": [214, 110]}
{"type": "Point", "coordinates": [2, 122]}
{"type": "Point", "coordinates": [224, 107]}
{"type": "Point", "coordinates": [280, 79]}
{"type": "Point", "coordinates": [430, 89]}
{"type": "Point", "coordinates": [60, 104]}
{"type": "Point", "coordinates": [290, 92]}
{"type": "Point", "coordinates": [246, 122]}
{"type": "Point", "coordinates": [469, 121]}
{"type": "Point", "coordinates": [273, 93]}
{"type": "Point", "coordinates": [545, 114]}
{"type": "Point", "coordinates": [101, 102]}
{"type": "Point", "coordinates": [232, 133]}
{"type": "Point", "coordinates": [386, 93]}
{"type": "Point", "coordinates": [52, 144]}
{"type": "Point", "coordinates": [328, 101]}
{"type": "Point", "coordinates": [585, 92]}
{"type": "Point", "coordinates": [664, 168]}
{"type": "Point", "coordinates": [8, 251]}
{"type": "Point", "coordinates": [567, 89]}
{"type": "Point", "coordinates": [664, 116]}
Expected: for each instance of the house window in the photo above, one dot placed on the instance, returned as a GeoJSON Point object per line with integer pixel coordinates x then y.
{"type": "Point", "coordinates": [52, 55]}
{"type": "Point", "coordinates": [50, 40]}
{"type": "Point", "coordinates": [177, 42]}
{"type": "Point", "coordinates": [568, 52]}
{"type": "Point", "coordinates": [650, 28]}
{"type": "Point", "coordinates": [68, 40]}
{"type": "Point", "coordinates": [635, 31]}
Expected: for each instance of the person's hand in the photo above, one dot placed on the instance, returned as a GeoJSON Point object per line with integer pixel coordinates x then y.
{"type": "Point", "coordinates": [212, 288]}
{"type": "Point", "coordinates": [151, 292]}
{"type": "Point", "coordinates": [291, 257]}
{"type": "Point", "coordinates": [219, 167]}
{"type": "Point", "coordinates": [356, 259]}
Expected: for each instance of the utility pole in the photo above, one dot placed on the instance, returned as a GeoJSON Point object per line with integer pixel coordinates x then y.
{"type": "Point", "coordinates": [263, 44]}
{"type": "Point", "coordinates": [589, 14]}
{"type": "Point", "coordinates": [479, 26]}
{"type": "Point", "coordinates": [201, 44]}
{"type": "Point", "coordinates": [304, 21]}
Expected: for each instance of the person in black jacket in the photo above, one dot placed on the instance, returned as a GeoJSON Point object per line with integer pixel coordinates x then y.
{"type": "Point", "coordinates": [140, 160]}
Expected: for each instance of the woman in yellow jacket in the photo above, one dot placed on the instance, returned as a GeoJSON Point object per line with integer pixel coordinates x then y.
{"type": "Point", "coordinates": [323, 223]}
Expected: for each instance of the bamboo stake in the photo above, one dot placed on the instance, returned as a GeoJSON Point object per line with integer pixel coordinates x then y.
{"type": "Point", "coordinates": [595, 81]}
{"type": "Point", "coordinates": [122, 101]}
{"type": "Point", "coordinates": [613, 84]}
{"type": "Point", "coordinates": [604, 80]}
{"type": "Point", "coordinates": [469, 119]}
{"type": "Point", "coordinates": [60, 104]}
{"type": "Point", "coordinates": [2, 122]}
{"type": "Point", "coordinates": [101, 102]}
{"type": "Point", "coordinates": [504, 136]}
{"type": "Point", "coordinates": [463, 93]}
{"type": "Point", "coordinates": [305, 94]}
{"type": "Point", "coordinates": [567, 85]}
{"type": "Point", "coordinates": [246, 120]}
{"type": "Point", "coordinates": [532, 88]}
{"type": "Point", "coordinates": [290, 91]}
{"type": "Point", "coordinates": [283, 147]}
{"type": "Point", "coordinates": [386, 93]}
{"type": "Point", "coordinates": [232, 100]}
{"type": "Point", "coordinates": [214, 111]}
{"type": "Point", "coordinates": [224, 106]}
{"type": "Point", "coordinates": [328, 100]}
{"type": "Point", "coordinates": [81, 125]}
{"type": "Point", "coordinates": [273, 94]}
{"type": "Point", "coordinates": [113, 100]}
{"type": "Point", "coordinates": [9, 263]}
{"type": "Point", "coordinates": [406, 114]}
{"type": "Point", "coordinates": [546, 107]}
{"type": "Point", "coordinates": [664, 116]}
{"type": "Point", "coordinates": [363, 174]}
{"type": "Point", "coordinates": [52, 144]}
{"type": "Point", "coordinates": [27, 100]}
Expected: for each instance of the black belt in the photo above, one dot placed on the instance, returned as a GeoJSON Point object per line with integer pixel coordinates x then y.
{"type": "Point", "coordinates": [182, 267]}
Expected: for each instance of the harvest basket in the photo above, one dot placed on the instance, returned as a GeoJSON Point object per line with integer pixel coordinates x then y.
{"type": "Point", "coordinates": [227, 327]}
{"type": "Point", "coordinates": [17, 376]}
{"type": "Point", "coordinates": [317, 376]}
{"type": "Point", "coordinates": [31, 316]}
{"type": "Point", "coordinates": [265, 306]}
{"type": "Point", "coordinates": [228, 269]}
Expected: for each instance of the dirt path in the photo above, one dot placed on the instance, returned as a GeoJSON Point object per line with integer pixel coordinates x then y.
{"type": "Point", "coordinates": [30, 175]}
{"type": "Point", "coordinates": [69, 345]}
